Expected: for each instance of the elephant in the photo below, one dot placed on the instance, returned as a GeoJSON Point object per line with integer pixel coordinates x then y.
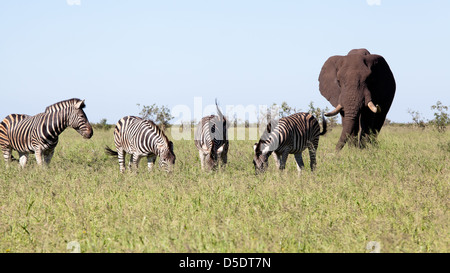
{"type": "Point", "coordinates": [361, 87]}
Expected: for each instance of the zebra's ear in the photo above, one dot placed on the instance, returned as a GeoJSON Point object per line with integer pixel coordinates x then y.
{"type": "Point", "coordinates": [269, 127]}
{"type": "Point", "coordinates": [255, 146]}
{"type": "Point", "coordinates": [80, 105]}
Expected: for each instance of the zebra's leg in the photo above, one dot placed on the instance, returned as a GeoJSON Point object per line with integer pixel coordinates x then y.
{"type": "Point", "coordinates": [23, 157]}
{"type": "Point", "coordinates": [121, 157]}
{"type": "Point", "coordinates": [38, 153]}
{"type": "Point", "coordinates": [224, 158]}
{"type": "Point", "coordinates": [130, 163]}
{"type": "Point", "coordinates": [136, 160]}
{"type": "Point", "coordinates": [283, 160]}
{"type": "Point", "coordinates": [151, 162]}
{"type": "Point", "coordinates": [48, 156]}
{"type": "Point", "coordinates": [312, 156]}
{"type": "Point", "coordinates": [224, 154]}
{"type": "Point", "coordinates": [300, 164]}
{"type": "Point", "coordinates": [7, 155]}
{"type": "Point", "coordinates": [277, 158]}
{"type": "Point", "coordinates": [202, 159]}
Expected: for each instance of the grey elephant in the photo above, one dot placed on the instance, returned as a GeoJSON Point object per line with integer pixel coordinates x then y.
{"type": "Point", "coordinates": [361, 87]}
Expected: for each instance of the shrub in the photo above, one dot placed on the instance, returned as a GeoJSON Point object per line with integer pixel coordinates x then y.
{"type": "Point", "coordinates": [441, 117]}
{"type": "Point", "coordinates": [159, 114]}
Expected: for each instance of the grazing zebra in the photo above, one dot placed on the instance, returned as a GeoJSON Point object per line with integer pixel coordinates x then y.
{"type": "Point", "coordinates": [211, 140]}
{"type": "Point", "coordinates": [39, 134]}
{"type": "Point", "coordinates": [141, 137]}
{"type": "Point", "coordinates": [292, 135]}
{"type": "Point", "coordinates": [4, 140]}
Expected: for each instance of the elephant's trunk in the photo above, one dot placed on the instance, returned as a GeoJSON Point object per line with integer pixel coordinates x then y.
{"type": "Point", "coordinates": [335, 111]}
{"type": "Point", "coordinates": [350, 129]}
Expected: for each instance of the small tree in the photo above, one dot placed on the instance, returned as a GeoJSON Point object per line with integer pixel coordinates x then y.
{"type": "Point", "coordinates": [317, 112]}
{"type": "Point", "coordinates": [286, 110]}
{"type": "Point", "coordinates": [159, 114]}
{"type": "Point", "coordinates": [441, 117]}
{"type": "Point", "coordinates": [417, 118]}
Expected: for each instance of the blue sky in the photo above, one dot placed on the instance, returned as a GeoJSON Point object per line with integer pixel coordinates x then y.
{"type": "Point", "coordinates": [116, 54]}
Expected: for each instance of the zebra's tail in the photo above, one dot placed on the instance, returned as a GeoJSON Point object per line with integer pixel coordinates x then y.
{"type": "Point", "coordinates": [111, 152]}
{"type": "Point", "coordinates": [324, 126]}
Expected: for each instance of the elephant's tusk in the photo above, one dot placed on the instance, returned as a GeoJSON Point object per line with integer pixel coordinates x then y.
{"type": "Point", "coordinates": [335, 111]}
{"type": "Point", "coordinates": [373, 108]}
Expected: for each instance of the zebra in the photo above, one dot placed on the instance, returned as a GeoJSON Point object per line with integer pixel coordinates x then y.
{"type": "Point", "coordinates": [141, 137]}
{"type": "Point", "coordinates": [211, 140]}
{"type": "Point", "coordinates": [292, 135]}
{"type": "Point", "coordinates": [39, 134]}
{"type": "Point", "coordinates": [6, 123]}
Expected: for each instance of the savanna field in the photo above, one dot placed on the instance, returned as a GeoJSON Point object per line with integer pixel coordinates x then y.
{"type": "Point", "coordinates": [395, 193]}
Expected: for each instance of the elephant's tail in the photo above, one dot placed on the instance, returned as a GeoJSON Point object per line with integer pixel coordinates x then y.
{"type": "Point", "coordinates": [324, 126]}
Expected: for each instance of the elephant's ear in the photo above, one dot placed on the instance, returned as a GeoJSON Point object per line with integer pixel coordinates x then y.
{"type": "Point", "coordinates": [328, 82]}
{"type": "Point", "coordinates": [380, 82]}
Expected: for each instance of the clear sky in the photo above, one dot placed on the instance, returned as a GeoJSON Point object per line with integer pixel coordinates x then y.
{"type": "Point", "coordinates": [116, 54]}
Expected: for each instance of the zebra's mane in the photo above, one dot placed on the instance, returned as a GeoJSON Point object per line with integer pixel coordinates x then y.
{"type": "Point", "coordinates": [62, 104]}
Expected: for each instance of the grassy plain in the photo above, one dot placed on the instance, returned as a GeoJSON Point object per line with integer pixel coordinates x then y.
{"type": "Point", "coordinates": [396, 194]}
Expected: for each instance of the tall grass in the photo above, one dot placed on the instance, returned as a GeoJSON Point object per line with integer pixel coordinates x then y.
{"type": "Point", "coordinates": [395, 193]}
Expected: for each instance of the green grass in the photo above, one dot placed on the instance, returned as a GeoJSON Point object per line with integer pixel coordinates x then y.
{"type": "Point", "coordinates": [396, 193]}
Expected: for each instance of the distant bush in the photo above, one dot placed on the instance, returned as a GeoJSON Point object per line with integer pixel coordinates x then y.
{"type": "Point", "coordinates": [102, 125]}
{"type": "Point", "coordinates": [417, 119]}
{"type": "Point", "coordinates": [441, 117]}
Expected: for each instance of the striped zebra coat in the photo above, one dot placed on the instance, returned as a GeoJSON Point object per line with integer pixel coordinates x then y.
{"type": "Point", "coordinates": [141, 138]}
{"type": "Point", "coordinates": [39, 134]}
{"type": "Point", "coordinates": [292, 135]}
{"type": "Point", "coordinates": [211, 140]}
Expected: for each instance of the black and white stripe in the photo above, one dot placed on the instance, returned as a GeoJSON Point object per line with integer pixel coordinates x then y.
{"type": "Point", "coordinates": [292, 135]}
{"type": "Point", "coordinates": [39, 134]}
{"type": "Point", "coordinates": [211, 140]}
{"type": "Point", "coordinates": [141, 137]}
{"type": "Point", "coordinates": [5, 143]}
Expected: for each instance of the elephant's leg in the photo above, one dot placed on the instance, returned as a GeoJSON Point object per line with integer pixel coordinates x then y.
{"type": "Point", "coordinates": [370, 127]}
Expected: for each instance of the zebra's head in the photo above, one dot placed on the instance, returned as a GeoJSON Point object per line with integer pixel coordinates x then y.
{"type": "Point", "coordinates": [263, 150]}
{"type": "Point", "coordinates": [211, 160]}
{"type": "Point", "coordinates": [79, 121]}
{"type": "Point", "coordinates": [261, 158]}
{"type": "Point", "coordinates": [167, 158]}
